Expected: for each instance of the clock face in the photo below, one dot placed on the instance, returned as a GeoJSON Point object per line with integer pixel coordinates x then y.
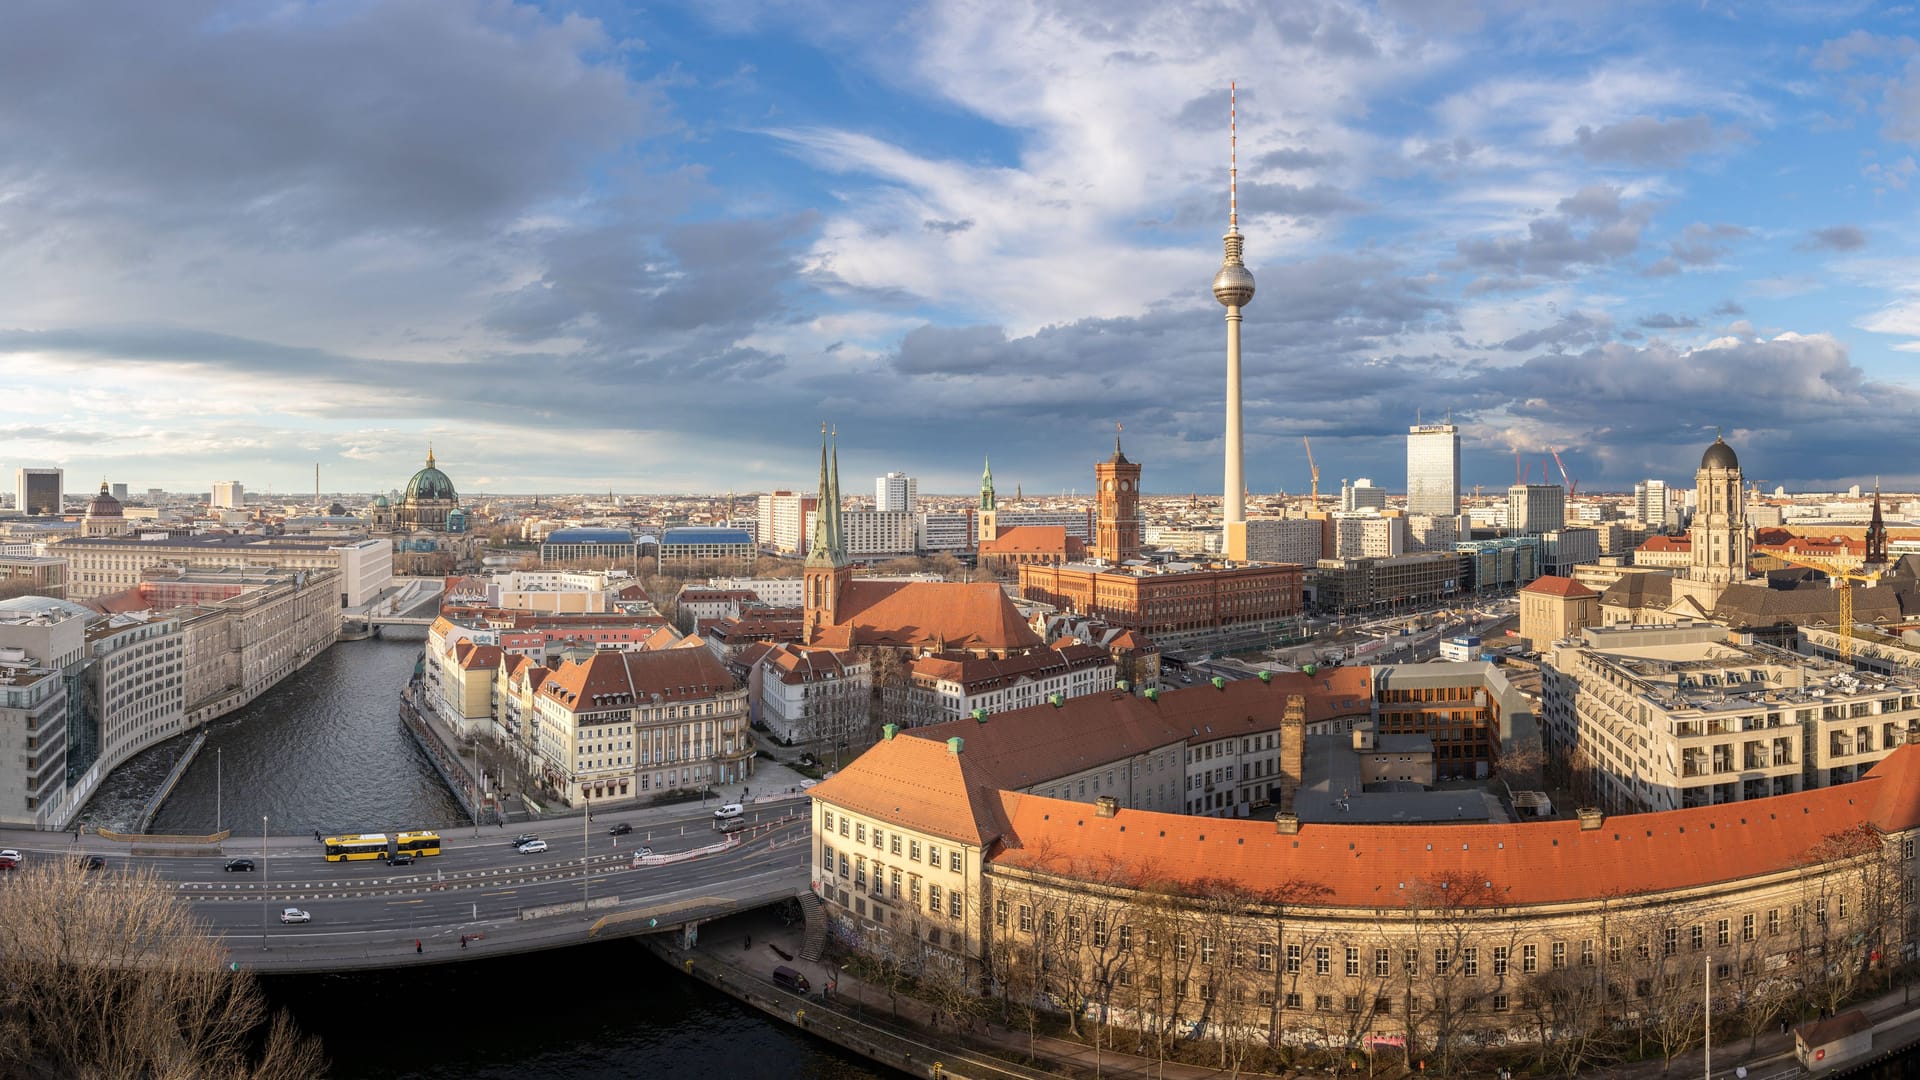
{"type": "Point", "coordinates": [1126, 485]}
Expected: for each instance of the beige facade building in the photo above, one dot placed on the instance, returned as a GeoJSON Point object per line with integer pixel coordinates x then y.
{"type": "Point", "coordinates": [1552, 608]}
{"type": "Point", "coordinates": [1668, 717]}
{"type": "Point", "coordinates": [103, 565]}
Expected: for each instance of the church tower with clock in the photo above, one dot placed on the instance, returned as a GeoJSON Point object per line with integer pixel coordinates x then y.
{"type": "Point", "coordinates": [1117, 536]}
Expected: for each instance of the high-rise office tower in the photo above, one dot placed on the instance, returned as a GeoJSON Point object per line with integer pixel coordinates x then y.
{"type": "Point", "coordinates": [1433, 470]}
{"type": "Point", "coordinates": [38, 491]}
{"type": "Point", "coordinates": [1362, 494]}
{"type": "Point", "coordinates": [1233, 287]}
{"type": "Point", "coordinates": [120, 492]}
{"type": "Point", "coordinates": [229, 494]}
{"type": "Point", "coordinates": [1533, 509]}
{"type": "Point", "coordinates": [1651, 506]}
{"type": "Point", "coordinates": [896, 492]}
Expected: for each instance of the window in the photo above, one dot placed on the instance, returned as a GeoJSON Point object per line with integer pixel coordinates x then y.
{"type": "Point", "coordinates": [1586, 953]}
{"type": "Point", "coordinates": [845, 866]}
{"type": "Point", "coordinates": [1557, 955]}
{"type": "Point", "coordinates": [954, 904]}
{"type": "Point", "coordinates": [1499, 960]}
{"type": "Point", "coordinates": [933, 855]}
{"type": "Point", "coordinates": [1026, 918]}
{"type": "Point", "coordinates": [1322, 960]}
{"type": "Point", "coordinates": [826, 820]}
{"type": "Point", "coordinates": [860, 834]}
{"type": "Point", "coordinates": [1293, 959]}
{"type": "Point", "coordinates": [1323, 1002]}
{"type": "Point", "coordinates": [953, 861]}
{"type": "Point", "coordinates": [1670, 941]}
{"type": "Point", "coordinates": [1126, 939]}
{"type": "Point", "coordinates": [1206, 951]}
{"type": "Point", "coordinates": [1073, 930]}
{"type": "Point", "coordinates": [1000, 914]}
{"type": "Point", "coordinates": [1353, 962]}
{"type": "Point", "coordinates": [913, 850]}
{"type": "Point", "coordinates": [1442, 961]}
{"type": "Point", "coordinates": [843, 826]}
{"type": "Point", "coordinates": [826, 858]}
{"type": "Point", "coordinates": [1529, 959]}
{"type": "Point", "coordinates": [893, 844]}
{"type": "Point", "coordinates": [1723, 932]}
{"type": "Point", "coordinates": [1470, 960]}
{"type": "Point", "coordinates": [1263, 956]}
{"type": "Point", "coordinates": [879, 837]}
{"type": "Point", "coordinates": [1613, 948]}
{"type": "Point", "coordinates": [1410, 962]}
{"type": "Point", "coordinates": [933, 899]}
{"type": "Point", "coordinates": [1746, 927]}
{"type": "Point", "coordinates": [1382, 962]}
{"type": "Point", "coordinates": [1499, 1003]}
{"type": "Point", "coordinates": [913, 888]}
{"type": "Point", "coordinates": [1773, 921]}
{"type": "Point", "coordinates": [1820, 911]}
{"type": "Point", "coordinates": [1293, 1001]}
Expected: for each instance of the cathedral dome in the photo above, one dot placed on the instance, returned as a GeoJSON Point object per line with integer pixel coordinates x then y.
{"type": "Point", "coordinates": [429, 483]}
{"type": "Point", "coordinates": [1719, 456]}
{"type": "Point", "coordinates": [104, 504]}
{"type": "Point", "coordinates": [382, 501]}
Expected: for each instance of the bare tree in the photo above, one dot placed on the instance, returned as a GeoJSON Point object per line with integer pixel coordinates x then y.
{"type": "Point", "coordinates": [1447, 920]}
{"type": "Point", "coordinates": [109, 974]}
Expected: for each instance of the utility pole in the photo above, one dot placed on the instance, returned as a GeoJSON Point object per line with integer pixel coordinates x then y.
{"type": "Point", "coordinates": [263, 883]}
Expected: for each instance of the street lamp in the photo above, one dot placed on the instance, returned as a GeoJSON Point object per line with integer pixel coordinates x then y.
{"type": "Point", "coordinates": [216, 789]}
{"type": "Point", "coordinates": [586, 880]}
{"type": "Point", "coordinates": [263, 882]}
{"type": "Point", "coordinates": [476, 788]}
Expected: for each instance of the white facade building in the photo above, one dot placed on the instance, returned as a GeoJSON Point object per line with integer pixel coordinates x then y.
{"type": "Point", "coordinates": [1361, 535]}
{"type": "Point", "coordinates": [1433, 470]}
{"type": "Point", "coordinates": [1277, 540]}
{"type": "Point", "coordinates": [1651, 505]}
{"type": "Point", "coordinates": [896, 492]}
{"type": "Point", "coordinates": [229, 495]}
{"type": "Point", "coordinates": [780, 522]}
{"type": "Point", "coordinates": [1533, 509]}
{"type": "Point", "coordinates": [1362, 494]}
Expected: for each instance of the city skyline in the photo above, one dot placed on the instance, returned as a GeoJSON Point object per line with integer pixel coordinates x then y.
{"type": "Point", "coordinates": [954, 234]}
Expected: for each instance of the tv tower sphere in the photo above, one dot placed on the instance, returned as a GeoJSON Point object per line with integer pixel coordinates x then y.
{"type": "Point", "coordinates": [1233, 285]}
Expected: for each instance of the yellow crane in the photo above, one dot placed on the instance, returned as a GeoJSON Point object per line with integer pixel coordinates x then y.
{"type": "Point", "coordinates": [1314, 470]}
{"type": "Point", "coordinates": [1843, 577]}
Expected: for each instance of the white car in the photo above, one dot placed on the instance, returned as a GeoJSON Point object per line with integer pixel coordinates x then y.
{"type": "Point", "coordinates": [730, 810]}
{"type": "Point", "coordinates": [293, 915]}
{"type": "Point", "coordinates": [9, 858]}
{"type": "Point", "coordinates": [533, 847]}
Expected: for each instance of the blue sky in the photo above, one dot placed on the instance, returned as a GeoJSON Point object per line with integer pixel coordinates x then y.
{"type": "Point", "coordinates": [599, 245]}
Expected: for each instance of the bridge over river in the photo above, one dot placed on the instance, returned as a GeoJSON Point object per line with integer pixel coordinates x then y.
{"type": "Point", "coordinates": [586, 887]}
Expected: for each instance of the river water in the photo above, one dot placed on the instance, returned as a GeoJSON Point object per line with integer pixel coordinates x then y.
{"type": "Point", "coordinates": [325, 750]}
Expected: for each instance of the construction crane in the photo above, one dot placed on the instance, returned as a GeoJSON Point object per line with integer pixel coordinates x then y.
{"type": "Point", "coordinates": [1313, 469]}
{"type": "Point", "coordinates": [1573, 486]}
{"type": "Point", "coordinates": [1843, 577]}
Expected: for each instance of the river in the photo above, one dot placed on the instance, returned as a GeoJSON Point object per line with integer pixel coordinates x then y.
{"type": "Point", "coordinates": [325, 750]}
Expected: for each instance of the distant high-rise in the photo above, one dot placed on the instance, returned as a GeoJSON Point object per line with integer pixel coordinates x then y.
{"type": "Point", "coordinates": [1533, 509]}
{"type": "Point", "coordinates": [1651, 506]}
{"type": "Point", "coordinates": [1362, 494]}
{"type": "Point", "coordinates": [229, 494]}
{"type": "Point", "coordinates": [896, 492]}
{"type": "Point", "coordinates": [1233, 287]}
{"type": "Point", "coordinates": [38, 491]}
{"type": "Point", "coordinates": [1433, 470]}
{"type": "Point", "coordinates": [120, 492]}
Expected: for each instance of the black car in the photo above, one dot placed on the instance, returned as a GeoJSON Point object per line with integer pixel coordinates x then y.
{"type": "Point", "coordinates": [402, 859]}
{"type": "Point", "coordinates": [95, 862]}
{"type": "Point", "coordinates": [621, 829]}
{"type": "Point", "coordinates": [239, 864]}
{"type": "Point", "coordinates": [523, 838]}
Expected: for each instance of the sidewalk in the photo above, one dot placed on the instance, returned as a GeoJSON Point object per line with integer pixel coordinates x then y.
{"type": "Point", "coordinates": [751, 947]}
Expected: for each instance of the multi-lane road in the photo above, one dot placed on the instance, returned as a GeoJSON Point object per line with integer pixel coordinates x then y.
{"type": "Point", "coordinates": [582, 888]}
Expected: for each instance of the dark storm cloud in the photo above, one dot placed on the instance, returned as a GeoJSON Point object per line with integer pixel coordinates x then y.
{"type": "Point", "coordinates": [292, 123]}
{"type": "Point", "coordinates": [1295, 159]}
{"type": "Point", "coordinates": [1660, 320]}
{"type": "Point", "coordinates": [1835, 238]}
{"type": "Point", "coordinates": [1588, 228]}
{"type": "Point", "coordinates": [1646, 142]}
{"type": "Point", "coordinates": [1803, 408]}
{"type": "Point", "coordinates": [1575, 329]}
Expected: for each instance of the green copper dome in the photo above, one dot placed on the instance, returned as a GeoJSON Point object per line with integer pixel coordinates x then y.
{"type": "Point", "coordinates": [429, 483]}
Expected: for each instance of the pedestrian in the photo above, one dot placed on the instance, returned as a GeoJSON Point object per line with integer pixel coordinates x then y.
{"type": "Point", "coordinates": [748, 944]}
{"type": "Point", "coordinates": [416, 947]}
{"type": "Point", "coordinates": [463, 941]}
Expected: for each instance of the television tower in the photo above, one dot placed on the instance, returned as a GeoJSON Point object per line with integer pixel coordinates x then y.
{"type": "Point", "coordinates": [1233, 287]}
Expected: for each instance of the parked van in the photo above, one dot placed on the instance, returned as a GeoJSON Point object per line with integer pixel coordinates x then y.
{"type": "Point", "coordinates": [785, 976]}
{"type": "Point", "coordinates": [731, 810]}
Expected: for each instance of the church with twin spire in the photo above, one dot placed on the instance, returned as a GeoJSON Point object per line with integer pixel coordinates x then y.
{"type": "Point", "coordinates": [919, 618]}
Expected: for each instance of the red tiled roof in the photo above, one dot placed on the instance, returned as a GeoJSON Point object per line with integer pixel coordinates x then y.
{"type": "Point", "coordinates": [481, 657]}
{"type": "Point", "coordinates": [796, 664]}
{"type": "Point", "coordinates": [1552, 585]}
{"type": "Point", "coordinates": [929, 614]}
{"type": "Point", "coordinates": [922, 785]}
{"type": "Point", "coordinates": [1529, 863]}
{"type": "Point", "coordinates": [1033, 540]}
{"type": "Point", "coordinates": [1667, 543]}
{"type": "Point", "coordinates": [977, 674]}
{"type": "Point", "coordinates": [1022, 748]}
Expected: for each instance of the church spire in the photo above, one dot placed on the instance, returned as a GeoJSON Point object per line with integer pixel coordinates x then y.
{"type": "Point", "coordinates": [1876, 531]}
{"type": "Point", "coordinates": [986, 486]}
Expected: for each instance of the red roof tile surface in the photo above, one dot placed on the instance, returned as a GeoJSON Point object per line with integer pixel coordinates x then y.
{"type": "Point", "coordinates": [1551, 585]}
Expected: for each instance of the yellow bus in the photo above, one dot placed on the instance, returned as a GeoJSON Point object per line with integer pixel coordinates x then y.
{"type": "Point", "coordinates": [360, 846]}
{"type": "Point", "coordinates": [417, 844]}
